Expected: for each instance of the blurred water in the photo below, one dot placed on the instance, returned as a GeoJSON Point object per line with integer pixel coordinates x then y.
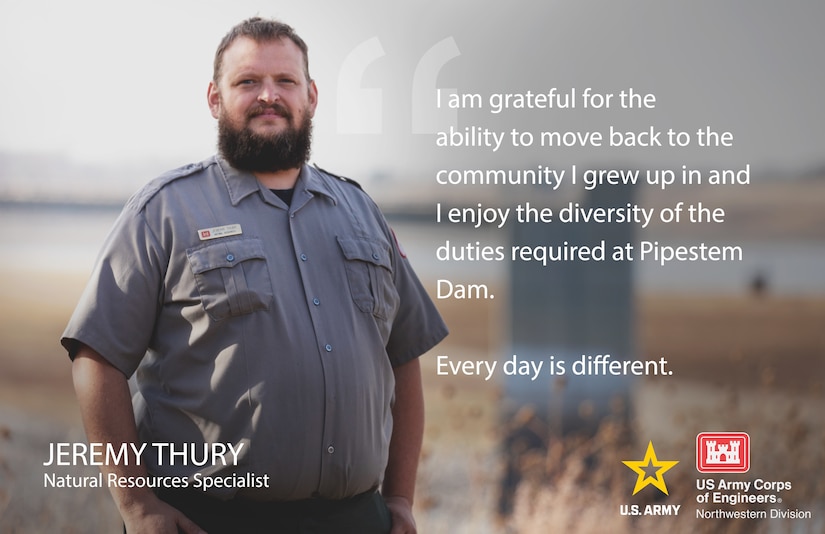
{"type": "Point", "coordinates": [61, 239]}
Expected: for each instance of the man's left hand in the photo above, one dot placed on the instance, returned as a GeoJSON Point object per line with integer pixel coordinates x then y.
{"type": "Point", "coordinates": [402, 516]}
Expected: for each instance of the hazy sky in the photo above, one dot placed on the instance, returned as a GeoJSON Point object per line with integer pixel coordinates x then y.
{"type": "Point", "coordinates": [102, 81]}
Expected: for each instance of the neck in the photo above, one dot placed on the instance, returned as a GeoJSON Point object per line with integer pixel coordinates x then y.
{"type": "Point", "coordinates": [279, 179]}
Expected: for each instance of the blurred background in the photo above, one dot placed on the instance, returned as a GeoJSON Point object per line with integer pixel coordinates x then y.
{"type": "Point", "coordinates": [100, 97]}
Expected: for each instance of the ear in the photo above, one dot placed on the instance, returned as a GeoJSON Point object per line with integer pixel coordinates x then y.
{"type": "Point", "coordinates": [213, 98]}
{"type": "Point", "coordinates": [313, 97]}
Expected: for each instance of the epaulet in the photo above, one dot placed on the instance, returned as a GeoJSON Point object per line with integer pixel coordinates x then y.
{"type": "Point", "coordinates": [139, 200]}
{"type": "Point", "coordinates": [342, 178]}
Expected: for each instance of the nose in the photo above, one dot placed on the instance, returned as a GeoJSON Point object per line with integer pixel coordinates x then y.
{"type": "Point", "coordinates": [269, 93]}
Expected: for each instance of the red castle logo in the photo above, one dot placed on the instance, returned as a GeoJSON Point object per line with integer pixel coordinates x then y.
{"type": "Point", "coordinates": [723, 452]}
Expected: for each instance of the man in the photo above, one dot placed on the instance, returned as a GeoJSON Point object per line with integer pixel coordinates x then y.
{"type": "Point", "coordinates": [272, 322]}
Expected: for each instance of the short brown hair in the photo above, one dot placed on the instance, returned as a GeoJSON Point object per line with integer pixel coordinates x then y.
{"type": "Point", "coordinates": [260, 30]}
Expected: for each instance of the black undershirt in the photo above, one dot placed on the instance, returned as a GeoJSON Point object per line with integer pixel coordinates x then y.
{"type": "Point", "coordinates": [284, 194]}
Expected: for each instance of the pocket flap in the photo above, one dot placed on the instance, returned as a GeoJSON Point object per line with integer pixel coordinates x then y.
{"type": "Point", "coordinates": [224, 254]}
{"type": "Point", "coordinates": [365, 250]}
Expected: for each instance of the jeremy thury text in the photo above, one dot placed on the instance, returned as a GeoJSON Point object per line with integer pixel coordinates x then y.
{"type": "Point", "coordinates": [198, 454]}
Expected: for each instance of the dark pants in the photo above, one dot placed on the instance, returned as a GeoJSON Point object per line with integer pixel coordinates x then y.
{"type": "Point", "coordinates": [363, 514]}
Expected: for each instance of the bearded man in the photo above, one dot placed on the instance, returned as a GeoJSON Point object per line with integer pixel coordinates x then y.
{"type": "Point", "coordinates": [270, 320]}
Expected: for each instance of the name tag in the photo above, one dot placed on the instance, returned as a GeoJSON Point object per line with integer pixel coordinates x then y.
{"type": "Point", "coordinates": [219, 231]}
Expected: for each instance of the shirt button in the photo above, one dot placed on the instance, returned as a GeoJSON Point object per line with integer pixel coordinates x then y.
{"type": "Point", "coordinates": [328, 347]}
{"type": "Point", "coordinates": [375, 255]}
{"type": "Point", "coordinates": [316, 301]}
{"type": "Point", "coordinates": [230, 257]}
{"type": "Point", "coordinates": [330, 449]}
{"type": "Point", "coordinates": [303, 257]}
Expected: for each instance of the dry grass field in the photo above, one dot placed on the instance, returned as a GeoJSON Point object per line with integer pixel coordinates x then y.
{"type": "Point", "coordinates": [746, 352]}
{"type": "Point", "coordinates": [739, 362]}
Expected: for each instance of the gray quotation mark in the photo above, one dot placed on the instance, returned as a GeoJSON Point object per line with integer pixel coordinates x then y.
{"type": "Point", "coordinates": [360, 110]}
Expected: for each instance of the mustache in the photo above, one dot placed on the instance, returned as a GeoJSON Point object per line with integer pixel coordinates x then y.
{"type": "Point", "coordinates": [259, 109]}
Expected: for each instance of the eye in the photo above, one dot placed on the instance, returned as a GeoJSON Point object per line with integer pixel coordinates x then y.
{"type": "Point", "coordinates": [244, 81]}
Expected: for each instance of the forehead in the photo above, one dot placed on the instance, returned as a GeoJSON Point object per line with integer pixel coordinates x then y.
{"type": "Point", "coordinates": [276, 54]}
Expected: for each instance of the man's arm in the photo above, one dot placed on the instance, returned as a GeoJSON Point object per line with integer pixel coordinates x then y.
{"type": "Point", "coordinates": [405, 446]}
{"type": "Point", "coordinates": [106, 406]}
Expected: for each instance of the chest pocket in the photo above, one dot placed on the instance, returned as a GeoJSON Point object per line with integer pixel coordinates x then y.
{"type": "Point", "coordinates": [232, 277]}
{"type": "Point", "coordinates": [369, 273]}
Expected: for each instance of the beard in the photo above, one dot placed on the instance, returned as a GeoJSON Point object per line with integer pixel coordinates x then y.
{"type": "Point", "coordinates": [252, 152]}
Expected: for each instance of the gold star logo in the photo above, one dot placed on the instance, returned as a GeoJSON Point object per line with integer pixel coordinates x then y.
{"type": "Point", "coordinates": [650, 470]}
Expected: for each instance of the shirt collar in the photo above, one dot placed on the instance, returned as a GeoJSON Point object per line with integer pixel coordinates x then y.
{"type": "Point", "coordinates": [314, 182]}
{"type": "Point", "coordinates": [241, 184]}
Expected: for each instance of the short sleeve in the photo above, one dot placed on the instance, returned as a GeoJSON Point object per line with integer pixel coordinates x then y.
{"type": "Point", "coordinates": [417, 326]}
{"type": "Point", "coordinates": [117, 310]}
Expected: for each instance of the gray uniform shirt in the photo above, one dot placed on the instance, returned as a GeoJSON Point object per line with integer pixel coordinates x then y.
{"type": "Point", "coordinates": [251, 322]}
